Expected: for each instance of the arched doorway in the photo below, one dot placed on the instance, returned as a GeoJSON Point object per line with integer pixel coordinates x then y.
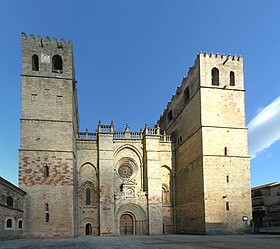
{"type": "Point", "coordinates": [126, 224]}
{"type": "Point", "coordinates": [88, 229]}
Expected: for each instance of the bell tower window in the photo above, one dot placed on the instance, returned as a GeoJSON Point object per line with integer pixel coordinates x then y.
{"type": "Point", "coordinates": [232, 79]}
{"type": "Point", "coordinates": [35, 62]}
{"type": "Point", "coordinates": [57, 64]}
{"type": "Point", "coordinates": [215, 76]}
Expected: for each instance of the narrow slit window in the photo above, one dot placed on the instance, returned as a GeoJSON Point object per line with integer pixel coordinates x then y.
{"type": "Point", "coordinates": [215, 76]}
{"type": "Point", "coordinates": [232, 78]}
{"type": "Point", "coordinates": [46, 171]}
{"type": "Point", "coordinates": [227, 178]}
{"type": "Point", "coordinates": [226, 151]}
{"type": "Point", "coordinates": [227, 205]}
{"type": "Point", "coordinates": [47, 207]}
{"type": "Point", "coordinates": [35, 62]}
{"type": "Point", "coordinates": [187, 94]}
{"type": "Point", "coordinates": [47, 217]}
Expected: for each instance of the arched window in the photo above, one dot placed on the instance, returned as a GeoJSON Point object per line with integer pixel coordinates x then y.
{"type": "Point", "coordinates": [10, 201]}
{"type": "Point", "coordinates": [165, 196]}
{"type": "Point", "coordinates": [170, 115]}
{"type": "Point", "coordinates": [57, 64]}
{"type": "Point", "coordinates": [88, 199]}
{"type": "Point", "coordinates": [215, 76]}
{"type": "Point", "coordinates": [35, 62]}
{"type": "Point", "coordinates": [232, 78]}
{"type": "Point", "coordinates": [20, 224]}
{"type": "Point", "coordinates": [9, 223]}
{"type": "Point", "coordinates": [46, 171]}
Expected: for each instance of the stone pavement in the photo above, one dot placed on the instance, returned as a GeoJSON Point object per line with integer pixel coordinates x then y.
{"type": "Point", "coordinates": [157, 242]}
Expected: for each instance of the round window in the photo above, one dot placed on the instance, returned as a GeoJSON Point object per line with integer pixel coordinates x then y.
{"type": "Point", "coordinates": [125, 171]}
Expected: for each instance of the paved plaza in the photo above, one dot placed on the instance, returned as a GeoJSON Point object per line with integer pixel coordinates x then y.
{"type": "Point", "coordinates": [164, 242]}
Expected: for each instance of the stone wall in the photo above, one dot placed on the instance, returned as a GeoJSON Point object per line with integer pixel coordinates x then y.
{"type": "Point", "coordinates": [47, 154]}
{"type": "Point", "coordinates": [212, 168]}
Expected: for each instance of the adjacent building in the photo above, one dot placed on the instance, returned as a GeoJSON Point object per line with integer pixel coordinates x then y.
{"type": "Point", "coordinates": [266, 206]}
{"type": "Point", "coordinates": [189, 173]}
{"type": "Point", "coordinates": [11, 210]}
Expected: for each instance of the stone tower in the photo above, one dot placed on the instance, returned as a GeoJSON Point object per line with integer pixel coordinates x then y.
{"type": "Point", "coordinates": [49, 121]}
{"type": "Point", "coordinates": [206, 116]}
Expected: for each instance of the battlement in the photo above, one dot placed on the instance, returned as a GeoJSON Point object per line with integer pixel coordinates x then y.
{"type": "Point", "coordinates": [47, 42]}
{"type": "Point", "coordinates": [222, 57]}
{"type": "Point", "coordinates": [201, 75]}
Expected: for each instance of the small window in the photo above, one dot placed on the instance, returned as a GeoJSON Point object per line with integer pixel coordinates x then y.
{"type": "Point", "coordinates": [20, 224]}
{"type": "Point", "coordinates": [57, 64]}
{"type": "Point", "coordinates": [47, 217]}
{"type": "Point", "coordinates": [35, 62]}
{"type": "Point", "coordinates": [170, 116]}
{"type": "Point", "coordinates": [225, 152]}
{"type": "Point", "coordinates": [46, 171]}
{"type": "Point", "coordinates": [215, 76]}
{"type": "Point", "coordinates": [88, 193]}
{"type": "Point", "coordinates": [10, 201]}
{"type": "Point", "coordinates": [9, 223]}
{"type": "Point", "coordinates": [33, 97]}
{"type": "Point", "coordinates": [232, 79]}
{"type": "Point", "coordinates": [227, 205]}
{"type": "Point", "coordinates": [187, 94]}
{"type": "Point", "coordinates": [227, 178]}
{"type": "Point", "coordinates": [47, 207]}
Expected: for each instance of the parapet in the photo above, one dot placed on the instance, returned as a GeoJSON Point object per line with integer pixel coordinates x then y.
{"type": "Point", "coordinates": [54, 43]}
{"type": "Point", "coordinates": [221, 57]}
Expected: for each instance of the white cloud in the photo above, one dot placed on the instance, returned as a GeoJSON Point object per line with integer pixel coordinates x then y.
{"type": "Point", "coordinates": [264, 128]}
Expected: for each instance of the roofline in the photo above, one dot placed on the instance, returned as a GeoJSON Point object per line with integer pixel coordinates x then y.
{"type": "Point", "coordinates": [268, 185]}
{"type": "Point", "coordinates": [11, 186]}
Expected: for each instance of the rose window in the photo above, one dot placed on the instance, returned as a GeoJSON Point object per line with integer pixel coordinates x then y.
{"type": "Point", "coordinates": [125, 171]}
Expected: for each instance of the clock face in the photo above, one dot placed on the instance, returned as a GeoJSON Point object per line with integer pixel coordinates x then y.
{"type": "Point", "coordinates": [45, 58]}
{"type": "Point", "coordinates": [125, 171]}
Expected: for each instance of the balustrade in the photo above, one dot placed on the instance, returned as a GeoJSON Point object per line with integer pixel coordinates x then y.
{"type": "Point", "coordinates": [119, 135]}
{"type": "Point", "coordinates": [127, 134]}
{"type": "Point", "coordinates": [87, 135]}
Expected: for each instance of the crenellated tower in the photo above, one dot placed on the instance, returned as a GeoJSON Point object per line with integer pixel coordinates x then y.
{"type": "Point", "coordinates": [206, 117]}
{"type": "Point", "coordinates": [49, 121]}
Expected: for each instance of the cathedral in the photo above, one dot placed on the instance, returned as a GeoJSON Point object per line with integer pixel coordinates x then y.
{"type": "Point", "coordinates": [189, 173]}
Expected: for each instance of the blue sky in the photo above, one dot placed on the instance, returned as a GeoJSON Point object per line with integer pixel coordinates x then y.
{"type": "Point", "coordinates": [130, 56]}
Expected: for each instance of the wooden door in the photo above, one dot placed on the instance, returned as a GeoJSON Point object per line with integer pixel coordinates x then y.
{"type": "Point", "coordinates": [126, 225]}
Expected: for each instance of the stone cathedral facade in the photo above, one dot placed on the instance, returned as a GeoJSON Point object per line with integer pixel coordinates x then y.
{"type": "Point", "coordinates": [190, 173]}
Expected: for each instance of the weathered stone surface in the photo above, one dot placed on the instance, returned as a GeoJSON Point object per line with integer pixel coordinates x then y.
{"type": "Point", "coordinates": [110, 183]}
